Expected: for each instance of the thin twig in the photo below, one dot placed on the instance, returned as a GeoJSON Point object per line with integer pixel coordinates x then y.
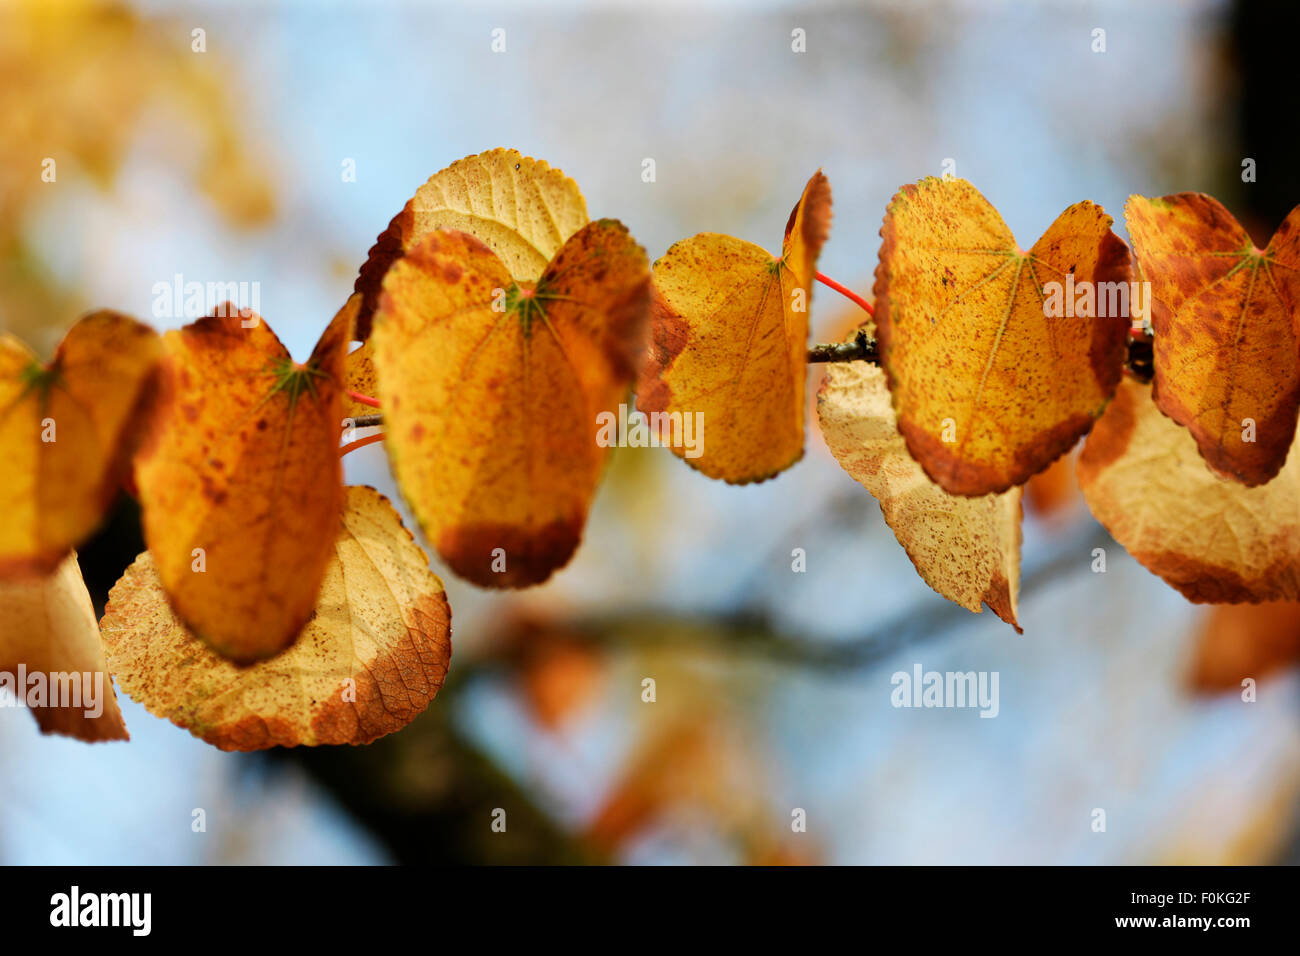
{"type": "Point", "coordinates": [861, 348]}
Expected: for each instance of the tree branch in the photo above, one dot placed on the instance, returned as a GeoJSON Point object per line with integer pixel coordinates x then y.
{"type": "Point", "coordinates": [862, 348]}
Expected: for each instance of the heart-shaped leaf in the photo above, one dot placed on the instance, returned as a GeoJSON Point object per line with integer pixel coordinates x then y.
{"type": "Point", "coordinates": [492, 391]}
{"type": "Point", "coordinates": [520, 208]}
{"type": "Point", "coordinates": [967, 549]}
{"type": "Point", "coordinates": [373, 655]}
{"type": "Point", "coordinates": [241, 485]}
{"type": "Point", "coordinates": [1225, 314]}
{"type": "Point", "coordinates": [67, 430]}
{"type": "Point", "coordinates": [728, 345]}
{"type": "Point", "coordinates": [990, 384]}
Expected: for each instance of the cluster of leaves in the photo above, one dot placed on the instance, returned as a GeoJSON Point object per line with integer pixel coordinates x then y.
{"type": "Point", "coordinates": [496, 322]}
{"type": "Point", "coordinates": [1189, 472]}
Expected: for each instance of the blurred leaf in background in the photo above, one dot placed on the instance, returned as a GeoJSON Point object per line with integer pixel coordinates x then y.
{"type": "Point", "coordinates": [77, 78]}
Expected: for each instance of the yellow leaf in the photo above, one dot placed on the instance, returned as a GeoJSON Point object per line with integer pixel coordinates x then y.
{"type": "Point", "coordinates": [47, 625]}
{"type": "Point", "coordinates": [369, 661]}
{"type": "Point", "coordinates": [359, 376]}
{"type": "Point", "coordinates": [241, 486]}
{"type": "Point", "coordinates": [988, 388]}
{"type": "Point", "coordinates": [1213, 539]}
{"type": "Point", "coordinates": [67, 429]}
{"type": "Point", "coordinates": [1227, 358]}
{"type": "Point", "coordinates": [729, 341]}
{"type": "Point", "coordinates": [519, 207]}
{"type": "Point", "coordinates": [967, 549]}
{"type": "Point", "coordinates": [492, 393]}
{"type": "Point", "coordinates": [358, 367]}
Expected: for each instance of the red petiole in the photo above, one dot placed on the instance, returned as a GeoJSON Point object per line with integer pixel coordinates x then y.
{"type": "Point", "coordinates": [848, 293]}
{"type": "Point", "coordinates": [360, 443]}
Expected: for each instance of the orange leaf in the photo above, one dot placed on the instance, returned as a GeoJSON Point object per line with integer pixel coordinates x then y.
{"type": "Point", "coordinates": [729, 341]}
{"type": "Point", "coordinates": [369, 661]}
{"type": "Point", "coordinates": [47, 627]}
{"type": "Point", "coordinates": [67, 429]}
{"type": "Point", "coordinates": [1054, 494]}
{"type": "Point", "coordinates": [242, 486]}
{"type": "Point", "coordinates": [1236, 641]}
{"type": "Point", "coordinates": [359, 370]}
{"type": "Point", "coordinates": [492, 389]}
{"type": "Point", "coordinates": [967, 549]}
{"type": "Point", "coordinates": [519, 207]}
{"type": "Point", "coordinates": [1224, 315]}
{"type": "Point", "coordinates": [359, 376]}
{"type": "Point", "coordinates": [1213, 539]}
{"type": "Point", "coordinates": [988, 388]}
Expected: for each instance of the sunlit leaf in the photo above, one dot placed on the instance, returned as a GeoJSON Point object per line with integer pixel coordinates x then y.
{"type": "Point", "coordinates": [988, 388]}
{"type": "Point", "coordinates": [729, 340]}
{"type": "Point", "coordinates": [1227, 362]}
{"type": "Point", "coordinates": [966, 548]}
{"type": "Point", "coordinates": [520, 208]}
{"type": "Point", "coordinates": [1212, 538]}
{"type": "Point", "coordinates": [67, 428]}
{"type": "Point", "coordinates": [370, 660]}
{"type": "Point", "coordinates": [241, 485]}
{"type": "Point", "coordinates": [491, 391]}
{"type": "Point", "coordinates": [47, 628]}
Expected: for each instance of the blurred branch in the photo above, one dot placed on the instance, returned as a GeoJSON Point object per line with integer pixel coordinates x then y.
{"type": "Point", "coordinates": [755, 634]}
{"type": "Point", "coordinates": [429, 794]}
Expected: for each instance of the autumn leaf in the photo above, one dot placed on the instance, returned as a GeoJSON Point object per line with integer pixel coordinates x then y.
{"type": "Point", "coordinates": [988, 389]}
{"type": "Point", "coordinates": [1213, 539]}
{"type": "Point", "coordinates": [369, 661]}
{"type": "Point", "coordinates": [684, 763]}
{"type": "Point", "coordinates": [358, 367]}
{"type": "Point", "coordinates": [729, 340]}
{"type": "Point", "coordinates": [520, 208]}
{"type": "Point", "coordinates": [1237, 641]}
{"type": "Point", "coordinates": [1053, 495]}
{"type": "Point", "coordinates": [67, 429]}
{"type": "Point", "coordinates": [47, 627]}
{"type": "Point", "coordinates": [967, 549]}
{"type": "Point", "coordinates": [242, 486]}
{"type": "Point", "coordinates": [359, 376]}
{"type": "Point", "coordinates": [1227, 358]}
{"type": "Point", "coordinates": [491, 391]}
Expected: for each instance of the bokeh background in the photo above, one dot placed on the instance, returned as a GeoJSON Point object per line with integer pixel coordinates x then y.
{"type": "Point", "coordinates": [773, 687]}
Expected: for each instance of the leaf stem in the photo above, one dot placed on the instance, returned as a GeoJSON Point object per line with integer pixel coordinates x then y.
{"type": "Point", "coordinates": [363, 399]}
{"type": "Point", "coordinates": [360, 443]}
{"type": "Point", "coordinates": [367, 421]}
{"type": "Point", "coordinates": [848, 293]}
